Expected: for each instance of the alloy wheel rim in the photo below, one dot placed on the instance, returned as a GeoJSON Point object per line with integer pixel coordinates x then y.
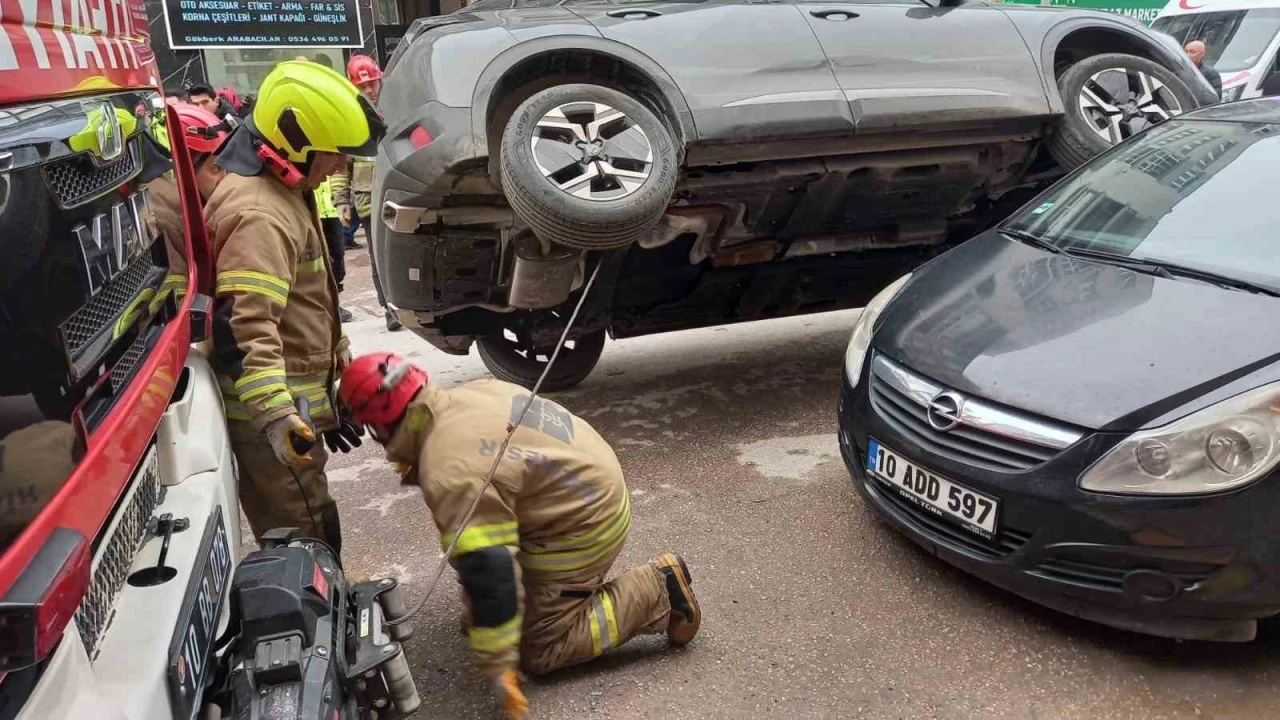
{"type": "Point", "coordinates": [592, 151]}
{"type": "Point", "coordinates": [1119, 103]}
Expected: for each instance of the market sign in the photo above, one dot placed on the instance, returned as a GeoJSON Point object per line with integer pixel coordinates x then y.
{"type": "Point", "coordinates": [197, 24]}
{"type": "Point", "coordinates": [1144, 11]}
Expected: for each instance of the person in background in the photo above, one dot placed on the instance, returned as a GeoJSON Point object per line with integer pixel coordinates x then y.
{"type": "Point", "coordinates": [1196, 50]}
{"type": "Point", "coordinates": [332, 227]}
{"type": "Point", "coordinates": [203, 96]}
{"type": "Point", "coordinates": [353, 185]}
{"type": "Point", "coordinates": [230, 108]}
{"type": "Point", "coordinates": [204, 133]}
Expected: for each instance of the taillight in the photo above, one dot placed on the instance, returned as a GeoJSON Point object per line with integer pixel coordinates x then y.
{"type": "Point", "coordinates": [419, 138]}
{"type": "Point", "coordinates": [37, 608]}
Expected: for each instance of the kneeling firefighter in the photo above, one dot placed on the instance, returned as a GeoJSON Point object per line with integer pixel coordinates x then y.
{"type": "Point", "coordinates": [278, 344]}
{"type": "Point", "coordinates": [532, 560]}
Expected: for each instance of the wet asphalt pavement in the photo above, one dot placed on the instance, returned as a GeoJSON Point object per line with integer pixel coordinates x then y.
{"type": "Point", "coordinates": [812, 607]}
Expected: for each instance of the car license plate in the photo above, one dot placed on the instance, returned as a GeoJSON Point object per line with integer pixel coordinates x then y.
{"type": "Point", "coordinates": [190, 649]}
{"type": "Point", "coordinates": [973, 510]}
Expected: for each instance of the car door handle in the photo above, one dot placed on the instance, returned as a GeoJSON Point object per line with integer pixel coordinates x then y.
{"type": "Point", "coordinates": [833, 15]}
{"type": "Point", "coordinates": [635, 14]}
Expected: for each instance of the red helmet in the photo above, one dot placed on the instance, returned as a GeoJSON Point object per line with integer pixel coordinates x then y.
{"type": "Point", "coordinates": [229, 94]}
{"type": "Point", "coordinates": [377, 389]}
{"type": "Point", "coordinates": [205, 133]}
{"type": "Point", "coordinates": [363, 69]}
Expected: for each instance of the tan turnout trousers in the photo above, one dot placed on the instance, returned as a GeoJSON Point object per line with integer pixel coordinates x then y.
{"type": "Point", "coordinates": [271, 495]}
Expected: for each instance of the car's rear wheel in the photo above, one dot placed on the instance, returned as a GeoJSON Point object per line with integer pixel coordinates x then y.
{"type": "Point", "coordinates": [587, 166]}
{"type": "Point", "coordinates": [511, 356]}
{"type": "Point", "coordinates": [1110, 98]}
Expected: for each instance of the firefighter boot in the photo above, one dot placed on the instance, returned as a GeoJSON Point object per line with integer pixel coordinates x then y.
{"type": "Point", "coordinates": [685, 616]}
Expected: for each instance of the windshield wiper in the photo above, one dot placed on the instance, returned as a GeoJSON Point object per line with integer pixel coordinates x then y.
{"type": "Point", "coordinates": [1123, 261]}
{"type": "Point", "coordinates": [1224, 281]}
{"type": "Point", "coordinates": [1031, 239]}
{"type": "Point", "coordinates": [1148, 266]}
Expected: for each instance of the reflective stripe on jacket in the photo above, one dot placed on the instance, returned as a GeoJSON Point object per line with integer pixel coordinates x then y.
{"type": "Point", "coordinates": [276, 332]}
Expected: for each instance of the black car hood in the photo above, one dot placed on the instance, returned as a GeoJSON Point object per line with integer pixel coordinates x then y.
{"type": "Point", "coordinates": [1086, 343]}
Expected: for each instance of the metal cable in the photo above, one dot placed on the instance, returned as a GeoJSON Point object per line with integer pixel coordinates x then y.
{"type": "Point", "coordinates": [497, 458]}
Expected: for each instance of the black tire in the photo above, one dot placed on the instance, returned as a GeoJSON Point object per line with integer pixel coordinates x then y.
{"type": "Point", "coordinates": [604, 222]}
{"type": "Point", "coordinates": [506, 361]}
{"type": "Point", "coordinates": [1075, 141]}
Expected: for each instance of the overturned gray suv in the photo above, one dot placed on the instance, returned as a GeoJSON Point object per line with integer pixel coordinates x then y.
{"type": "Point", "coordinates": [724, 160]}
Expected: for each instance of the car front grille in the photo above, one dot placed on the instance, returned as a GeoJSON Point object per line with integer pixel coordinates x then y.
{"type": "Point", "coordinates": [1008, 540]}
{"type": "Point", "coordinates": [115, 553]}
{"type": "Point", "coordinates": [1105, 577]}
{"type": "Point", "coordinates": [986, 436]}
{"type": "Point", "coordinates": [77, 180]}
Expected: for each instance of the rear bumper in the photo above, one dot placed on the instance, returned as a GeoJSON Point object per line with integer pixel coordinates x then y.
{"type": "Point", "coordinates": [1193, 568]}
{"type": "Point", "coordinates": [418, 179]}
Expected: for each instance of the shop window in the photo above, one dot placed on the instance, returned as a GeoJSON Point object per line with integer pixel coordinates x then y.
{"type": "Point", "coordinates": [244, 69]}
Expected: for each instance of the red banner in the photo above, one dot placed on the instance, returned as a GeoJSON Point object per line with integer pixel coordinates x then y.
{"type": "Point", "coordinates": [50, 48]}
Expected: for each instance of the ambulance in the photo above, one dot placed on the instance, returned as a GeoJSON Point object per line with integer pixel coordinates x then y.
{"type": "Point", "coordinates": [1241, 36]}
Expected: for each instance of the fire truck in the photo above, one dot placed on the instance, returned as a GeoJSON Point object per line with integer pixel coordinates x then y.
{"type": "Point", "coordinates": [120, 591]}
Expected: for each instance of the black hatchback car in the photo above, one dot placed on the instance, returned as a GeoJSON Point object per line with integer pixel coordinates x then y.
{"type": "Point", "coordinates": [1083, 405]}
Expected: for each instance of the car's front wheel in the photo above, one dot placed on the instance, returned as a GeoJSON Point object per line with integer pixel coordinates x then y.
{"type": "Point", "coordinates": [511, 356]}
{"type": "Point", "coordinates": [587, 166]}
{"type": "Point", "coordinates": [1110, 98]}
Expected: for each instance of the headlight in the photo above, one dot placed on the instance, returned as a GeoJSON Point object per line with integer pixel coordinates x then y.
{"type": "Point", "coordinates": [861, 340]}
{"type": "Point", "coordinates": [1221, 447]}
{"type": "Point", "coordinates": [1233, 93]}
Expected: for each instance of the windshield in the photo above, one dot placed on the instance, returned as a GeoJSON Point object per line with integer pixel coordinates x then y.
{"type": "Point", "coordinates": [1233, 40]}
{"type": "Point", "coordinates": [1191, 193]}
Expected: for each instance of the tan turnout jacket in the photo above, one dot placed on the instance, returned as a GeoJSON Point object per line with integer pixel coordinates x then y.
{"type": "Point", "coordinates": [354, 185]}
{"type": "Point", "coordinates": [276, 327]}
{"type": "Point", "coordinates": [558, 502]}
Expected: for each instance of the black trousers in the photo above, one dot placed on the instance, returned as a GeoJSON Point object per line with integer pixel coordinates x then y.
{"type": "Point", "coordinates": [337, 253]}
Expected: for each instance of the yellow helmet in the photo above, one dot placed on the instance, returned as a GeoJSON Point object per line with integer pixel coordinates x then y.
{"type": "Point", "coordinates": [304, 106]}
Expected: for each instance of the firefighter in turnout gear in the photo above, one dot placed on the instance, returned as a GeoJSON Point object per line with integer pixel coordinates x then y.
{"type": "Point", "coordinates": [533, 559]}
{"type": "Point", "coordinates": [204, 135]}
{"type": "Point", "coordinates": [353, 185]}
{"type": "Point", "coordinates": [278, 345]}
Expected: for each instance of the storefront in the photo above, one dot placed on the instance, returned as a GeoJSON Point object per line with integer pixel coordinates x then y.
{"type": "Point", "coordinates": [235, 43]}
{"type": "Point", "coordinates": [1141, 10]}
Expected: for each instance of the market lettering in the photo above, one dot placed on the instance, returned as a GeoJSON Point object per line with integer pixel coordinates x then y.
{"type": "Point", "coordinates": [291, 6]}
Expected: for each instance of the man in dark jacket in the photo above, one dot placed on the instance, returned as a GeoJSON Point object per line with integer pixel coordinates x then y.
{"type": "Point", "coordinates": [1196, 51]}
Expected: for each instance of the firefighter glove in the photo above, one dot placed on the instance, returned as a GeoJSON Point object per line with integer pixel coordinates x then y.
{"type": "Point", "coordinates": [507, 688]}
{"type": "Point", "coordinates": [346, 436]}
{"type": "Point", "coordinates": [291, 440]}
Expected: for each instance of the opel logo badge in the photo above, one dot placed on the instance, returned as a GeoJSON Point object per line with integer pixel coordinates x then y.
{"type": "Point", "coordinates": [943, 412]}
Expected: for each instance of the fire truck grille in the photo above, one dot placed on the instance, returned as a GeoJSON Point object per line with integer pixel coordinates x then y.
{"type": "Point", "coordinates": [127, 365]}
{"type": "Point", "coordinates": [115, 554]}
{"type": "Point", "coordinates": [77, 180]}
{"type": "Point", "coordinates": [104, 308]}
